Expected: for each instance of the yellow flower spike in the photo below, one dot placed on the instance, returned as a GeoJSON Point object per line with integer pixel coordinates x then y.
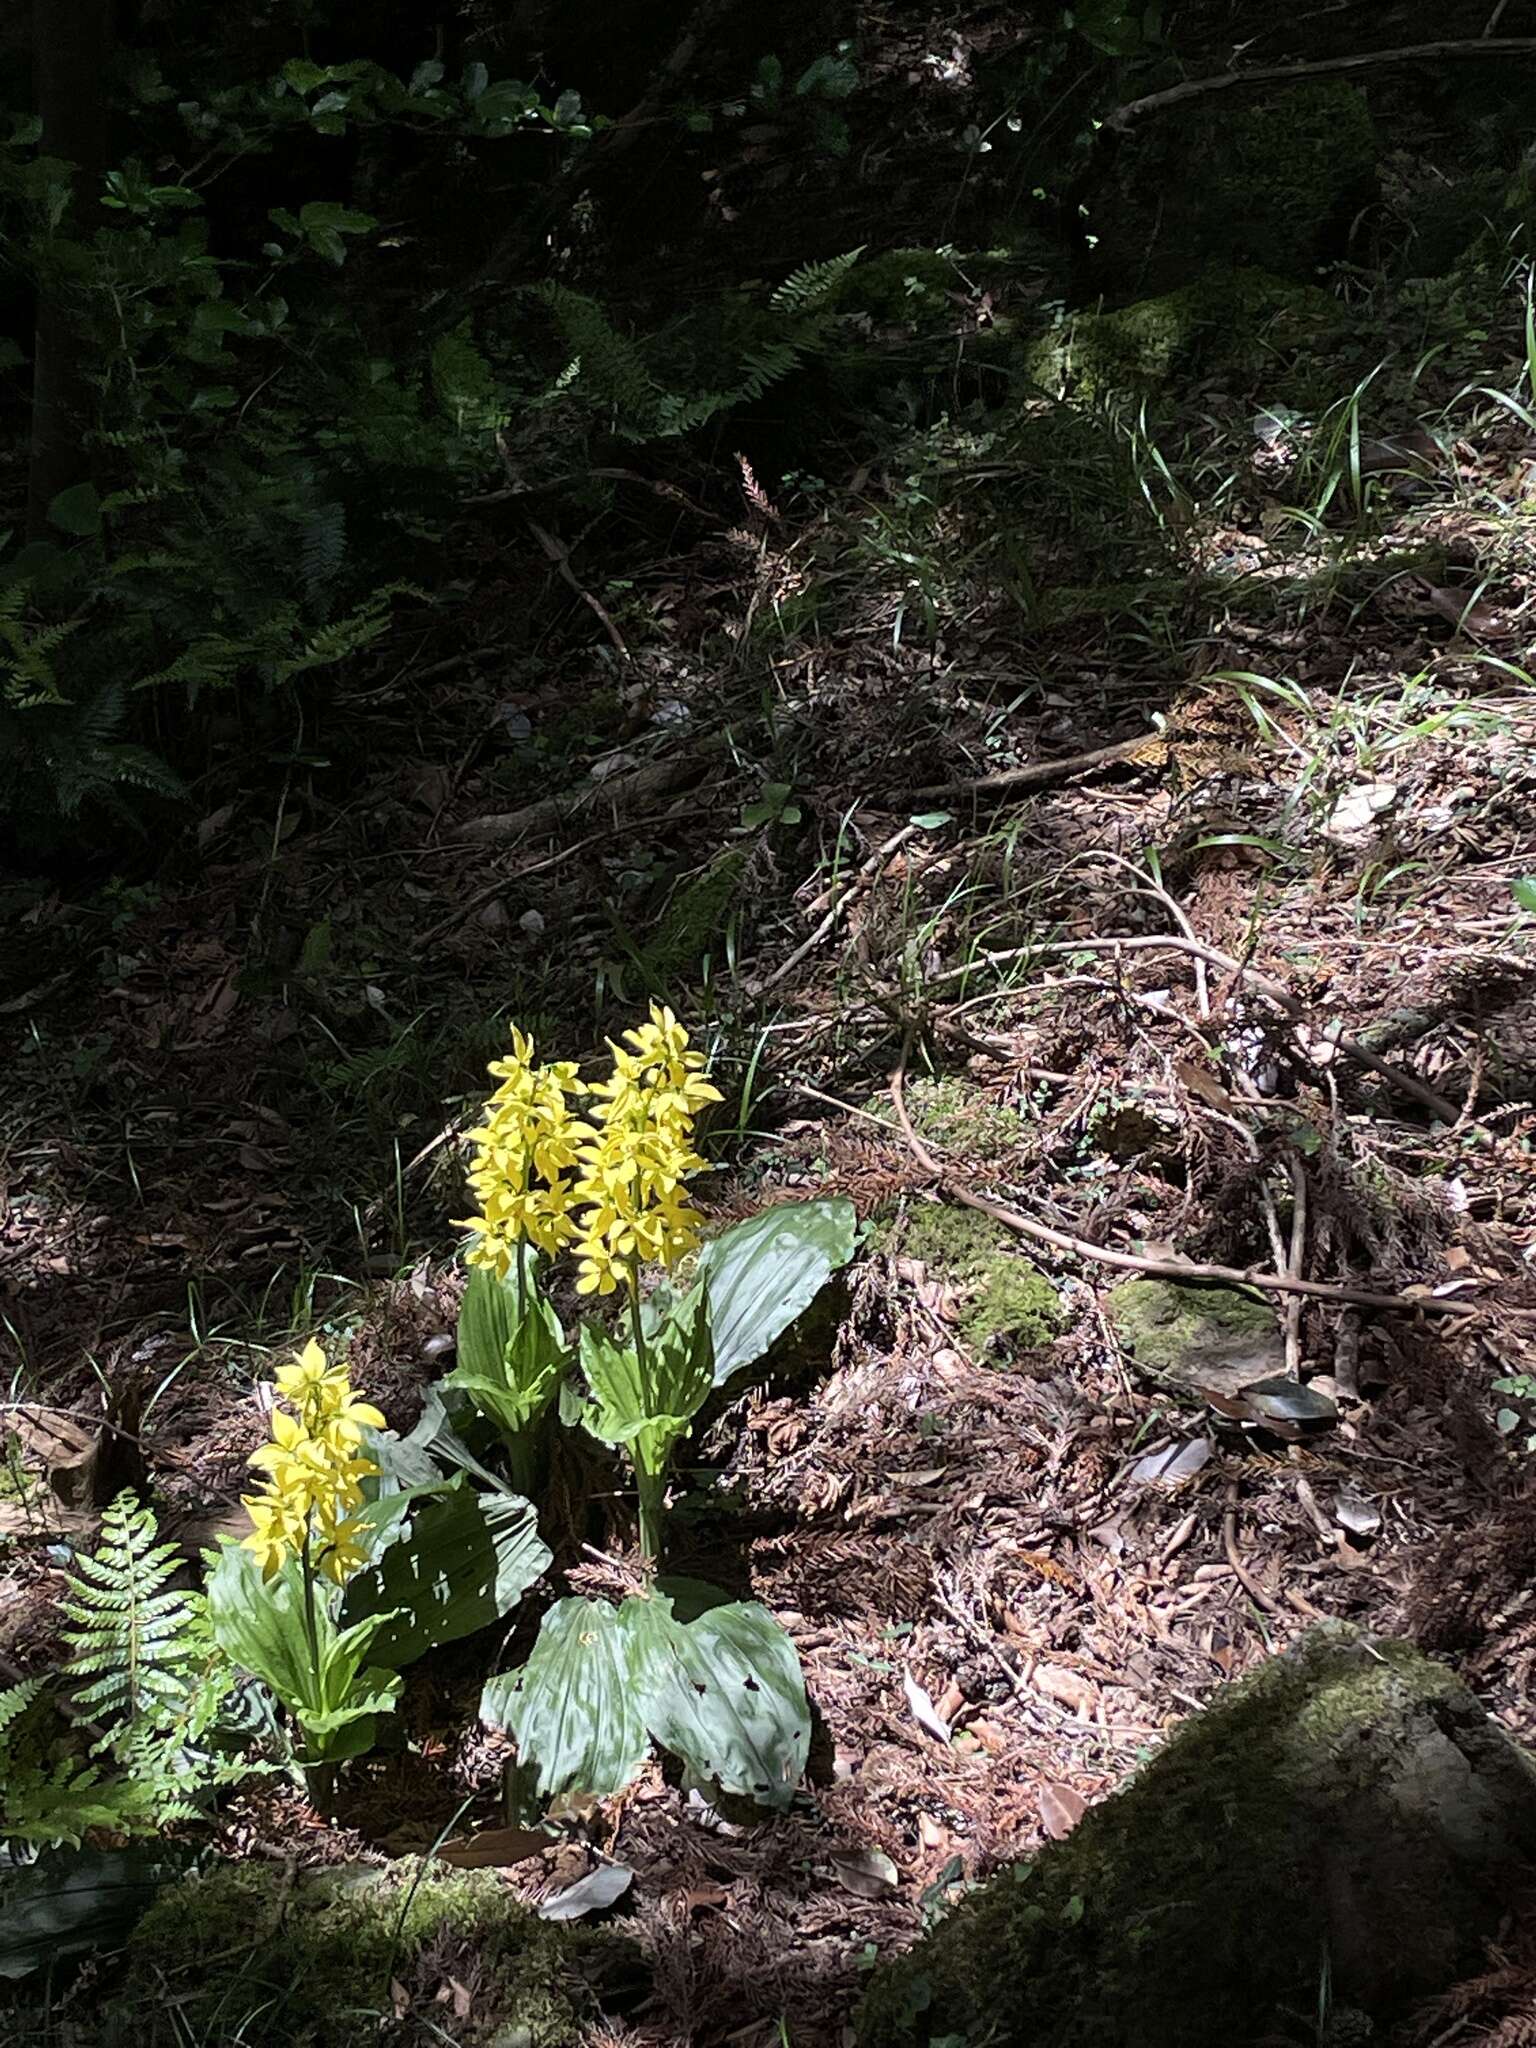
{"type": "Point", "coordinates": [634, 1166]}
{"type": "Point", "coordinates": [314, 1469]}
{"type": "Point", "coordinates": [528, 1137]}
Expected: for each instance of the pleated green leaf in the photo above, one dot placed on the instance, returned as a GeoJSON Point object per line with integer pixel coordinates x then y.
{"type": "Point", "coordinates": [573, 1708]}
{"type": "Point", "coordinates": [724, 1692]}
{"type": "Point", "coordinates": [760, 1275]}
{"type": "Point", "coordinates": [466, 1561]}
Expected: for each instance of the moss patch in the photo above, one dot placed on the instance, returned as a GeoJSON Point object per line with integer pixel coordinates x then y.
{"type": "Point", "coordinates": [695, 920]}
{"type": "Point", "coordinates": [959, 1116]}
{"type": "Point", "coordinates": [1276, 180]}
{"type": "Point", "coordinates": [240, 1954]}
{"type": "Point", "coordinates": [1008, 1306]}
{"type": "Point", "coordinates": [1227, 318]}
{"type": "Point", "coordinates": [1204, 1335]}
{"type": "Point", "coordinates": [1350, 1801]}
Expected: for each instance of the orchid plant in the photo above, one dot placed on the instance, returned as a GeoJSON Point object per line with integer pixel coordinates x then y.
{"type": "Point", "coordinates": [362, 1554]}
{"type": "Point", "coordinates": [601, 1170]}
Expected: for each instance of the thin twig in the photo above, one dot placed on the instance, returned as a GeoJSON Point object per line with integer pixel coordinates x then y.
{"type": "Point", "coordinates": [1163, 1269]}
{"type": "Point", "coordinates": [1318, 67]}
{"type": "Point", "coordinates": [1034, 774]}
{"type": "Point", "coordinates": [560, 555]}
{"type": "Point", "coordinates": [841, 902]}
{"type": "Point", "coordinates": [1245, 1578]}
{"type": "Point", "coordinates": [1276, 991]}
{"type": "Point", "coordinates": [1295, 1263]}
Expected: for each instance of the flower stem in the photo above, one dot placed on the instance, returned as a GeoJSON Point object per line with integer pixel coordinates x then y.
{"type": "Point", "coordinates": [651, 1487]}
{"type": "Point", "coordinates": [319, 1778]}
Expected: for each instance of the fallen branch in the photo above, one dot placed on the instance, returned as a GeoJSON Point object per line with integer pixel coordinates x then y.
{"type": "Point", "coordinates": [841, 902]}
{"type": "Point", "coordinates": [560, 556]}
{"type": "Point", "coordinates": [1276, 991]}
{"type": "Point", "coordinates": [1134, 1262]}
{"type": "Point", "coordinates": [1036, 774]}
{"type": "Point", "coordinates": [635, 785]}
{"type": "Point", "coordinates": [1317, 67]}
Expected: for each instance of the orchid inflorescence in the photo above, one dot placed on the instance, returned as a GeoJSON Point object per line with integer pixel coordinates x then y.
{"type": "Point", "coordinates": [315, 1468]}
{"type": "Point", "coordinates": [612, 1187]}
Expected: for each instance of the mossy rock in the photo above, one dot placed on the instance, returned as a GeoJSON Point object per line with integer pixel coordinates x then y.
{"type": "Point", "coordinates": [1349, 1816]}
{"type": "Point", "coordinates": [1008, 1306]}
{"type": "Point", "coordinates": [1277, 179]}
{"type": "Point", "coordinates": [244, 1954]}
{"type": "Point", "coordinates": [1227, 319]}
{"type": "Point", "coordinates": [1207, 1337]}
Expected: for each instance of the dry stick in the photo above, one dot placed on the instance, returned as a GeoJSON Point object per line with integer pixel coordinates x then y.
{"type": "Point", "coordinates": [632, 785]}
{"type": "Point", "coordinates": [1245, 1578]}
{"type": "Point", "coordinates": [1036, 773]}
{"type": "Point", "coordinates": [840, 903]}
{"type": "Point", "coordinates": [1318, 67]}
{"type": "Point", "coordinates": [560, 555]}
{"type": "Point", "coordinates": [1161, 1269]}
{"type": "Point", "coordinates": [1277, 992]}
{"type": "Point", "coordinates": [1296, 1262]}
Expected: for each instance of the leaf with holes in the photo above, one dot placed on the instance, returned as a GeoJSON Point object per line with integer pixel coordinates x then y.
{"type": "Point", "coordinates": [573, 1708]}
{"type": "Point", "coordinates": [725, 1693]}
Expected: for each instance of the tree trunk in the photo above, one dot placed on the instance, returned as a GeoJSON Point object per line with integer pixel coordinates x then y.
{"type": "Point", "coordinates": [71, 43]}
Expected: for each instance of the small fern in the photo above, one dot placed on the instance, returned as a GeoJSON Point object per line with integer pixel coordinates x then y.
{"type": "Point", "coordinates": [48, 1798]}
{"type": "Point", "coordinates": [146, 1674]}
{"type": "Point", "coordinates": [813, 285]}
{"type": "Point", "coordinates": [136, 1644]}
{"type": "Point", "coordinates": [322, 552]}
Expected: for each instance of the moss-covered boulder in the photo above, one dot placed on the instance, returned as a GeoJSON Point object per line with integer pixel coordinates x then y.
{"type": "Point", "coordinates": [1346, 1824]}
{"type": "Point", "coordinates": [1007, 1306]}
{"type": "Point", "coordinates": [1228, 318]}
{"type": "Point", "coordinates": [1278, 179]}
{"type": "Point", "coordinates": [246, 1954]}
{"type": "Point", "coordinates": [1209, 1338]}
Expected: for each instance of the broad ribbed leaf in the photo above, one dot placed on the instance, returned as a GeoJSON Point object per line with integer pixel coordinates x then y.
{"type": "Point", "coordinates": [449, 1420]}
{"type": "Point", "coordinates": [725, 1693]}
{"type": "Point", "coordinates": [466, 1561]}
{"type": "Point", "coordinates": [259, 1623]}
{"type": "Point", "coordinates": [510, 1366]}
{"type": "Point", "coordinates": [486, 1316]}
{"type": "Point", "coordinates": [573, 1707]}
{"type": "Point", "coordinates": [647, 1410]}
{"type": "Point", "coordinates": [761, 1274]}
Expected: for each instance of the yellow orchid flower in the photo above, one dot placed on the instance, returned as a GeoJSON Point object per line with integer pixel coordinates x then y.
{"type": "Point", "coordinates": [313, 1464]}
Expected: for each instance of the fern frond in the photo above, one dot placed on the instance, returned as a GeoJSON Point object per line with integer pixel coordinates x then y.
{"type": "Point", "coordinates": [14, 1702]}
{"type": "Point", "coordinates": [133, 1641]}
{"type": "Point", "coordinates": [322, 552]}
{"type": "Point", "coordinates": [813, 284]}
